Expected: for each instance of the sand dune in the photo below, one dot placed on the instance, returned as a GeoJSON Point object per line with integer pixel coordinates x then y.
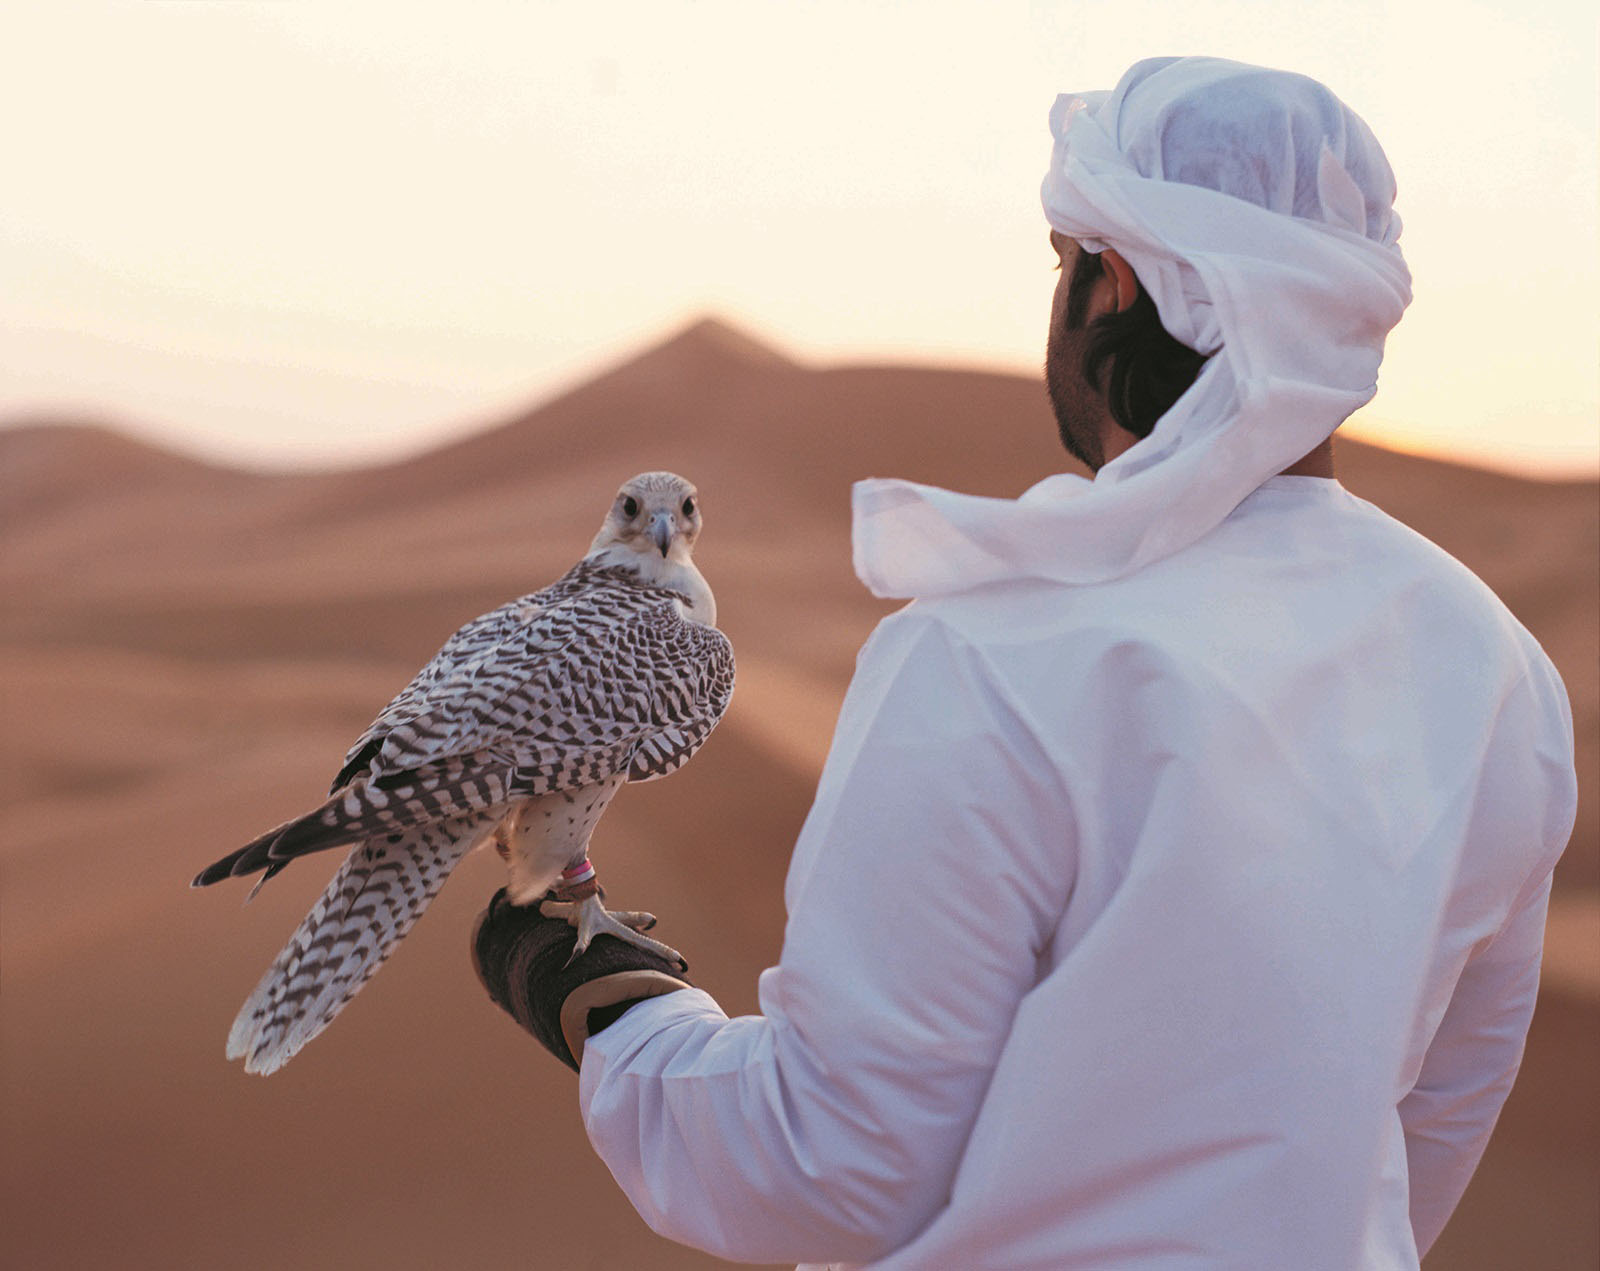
{"type": "Point", "coordinates": [188, 649]}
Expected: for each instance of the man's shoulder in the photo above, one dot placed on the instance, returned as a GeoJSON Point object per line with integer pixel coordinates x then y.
{"type": "Point", "coordinates": [1286, 572]}
{"type": "Point", "coordinates": [1426, 581]}
{"type": "Point", "coordinates": [1026, 634]}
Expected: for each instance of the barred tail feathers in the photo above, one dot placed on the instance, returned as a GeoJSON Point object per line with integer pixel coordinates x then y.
{"type": "Point", "coordinates": [379, 892]}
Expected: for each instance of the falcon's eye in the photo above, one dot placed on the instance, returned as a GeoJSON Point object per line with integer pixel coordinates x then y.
{"type": "Point", "coordinates": [688, 507]}
{"type": "Point", "coordinates": [630, 507]}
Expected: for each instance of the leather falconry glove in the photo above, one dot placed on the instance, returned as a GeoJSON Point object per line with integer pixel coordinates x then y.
{"type": "Point", "coordinates": [524, 960]}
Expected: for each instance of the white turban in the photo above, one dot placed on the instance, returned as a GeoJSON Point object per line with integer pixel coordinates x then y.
{"type": "Point", "coordinates": [1256, 209]}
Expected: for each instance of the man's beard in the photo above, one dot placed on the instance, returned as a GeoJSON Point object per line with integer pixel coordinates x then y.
{"type": "Point", "coordinates": [1074, 425]}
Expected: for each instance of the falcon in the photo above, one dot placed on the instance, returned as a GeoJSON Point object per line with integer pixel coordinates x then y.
{"type": "Point", "coordinates": [519, 732]}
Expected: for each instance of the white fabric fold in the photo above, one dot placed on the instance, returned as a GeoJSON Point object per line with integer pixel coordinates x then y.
{"type": "Point", "coordinates": [1257, 211]}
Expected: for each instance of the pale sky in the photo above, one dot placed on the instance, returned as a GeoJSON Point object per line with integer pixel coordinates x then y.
{"type": "Point", "coordinates": [289, 234]}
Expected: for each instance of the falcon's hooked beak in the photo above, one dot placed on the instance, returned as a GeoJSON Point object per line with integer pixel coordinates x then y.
{"type": "Point", "coordinates": [662, 530]}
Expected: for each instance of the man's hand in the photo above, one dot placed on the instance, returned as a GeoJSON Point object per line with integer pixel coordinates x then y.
{"type": "Point", "coordinates": [522, 959]}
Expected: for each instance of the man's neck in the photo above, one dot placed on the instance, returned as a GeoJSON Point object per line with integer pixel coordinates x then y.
{"type": "Point", "coordinates": [1316, 463]}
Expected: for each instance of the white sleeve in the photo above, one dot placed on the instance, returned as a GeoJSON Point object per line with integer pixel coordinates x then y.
{"type": "Point", "coordinates": [925, 886]}
{"type": "Point", "coordinates": [1470, 1066]}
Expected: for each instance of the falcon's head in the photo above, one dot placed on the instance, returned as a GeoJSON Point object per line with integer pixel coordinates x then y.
{"type": "Point", "coordinates": [656, 514]}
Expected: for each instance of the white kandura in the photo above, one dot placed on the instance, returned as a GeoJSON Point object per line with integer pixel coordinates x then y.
{"type": "Point", "coordinates": [1128, 918]}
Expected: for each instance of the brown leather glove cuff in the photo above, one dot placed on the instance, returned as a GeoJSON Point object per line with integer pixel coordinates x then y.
{"type": "Point", "coordinates": [609, 990]}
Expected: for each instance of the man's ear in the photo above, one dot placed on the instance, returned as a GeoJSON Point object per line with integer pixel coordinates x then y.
{"type": "Point", "coordinates": [1122, 278]}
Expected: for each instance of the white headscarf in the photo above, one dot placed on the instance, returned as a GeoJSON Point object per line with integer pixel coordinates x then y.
{"type": "Point", "coordinates": [1256, 209]}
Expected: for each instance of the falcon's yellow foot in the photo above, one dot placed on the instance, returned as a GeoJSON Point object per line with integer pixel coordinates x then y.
{"type": "Point", "coordinates": [591, 918]}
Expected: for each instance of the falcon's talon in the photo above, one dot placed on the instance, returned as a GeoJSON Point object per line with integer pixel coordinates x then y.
{"type": "Point", "coordinates": [633, 918]}
{"type": "Point", "coordinates": [592, 919]}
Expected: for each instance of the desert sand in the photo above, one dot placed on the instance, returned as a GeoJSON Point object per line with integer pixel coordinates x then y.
{"type": "Point", "coordinates": [189, 649]}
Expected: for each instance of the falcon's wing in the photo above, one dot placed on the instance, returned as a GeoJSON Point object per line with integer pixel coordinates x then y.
{"type": "Point", "coordinates": [609, 679]}
{"type": "Point", "coordinates": [693, 679]}
{"type": "Point", "coordinates": [457, 663]}
{"type": "Point", "coordinates": [569, 686]}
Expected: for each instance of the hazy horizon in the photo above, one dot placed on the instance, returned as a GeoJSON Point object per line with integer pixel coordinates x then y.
{"type": "Point", "coordinates": [215, 449]}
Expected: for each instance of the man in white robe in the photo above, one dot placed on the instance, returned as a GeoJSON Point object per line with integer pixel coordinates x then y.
{"type": "Point", "coordinates": [1174, 891]}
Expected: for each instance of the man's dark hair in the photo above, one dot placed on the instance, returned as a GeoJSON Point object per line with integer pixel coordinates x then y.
{"type": "Point", "coordinates": [1149, 370]}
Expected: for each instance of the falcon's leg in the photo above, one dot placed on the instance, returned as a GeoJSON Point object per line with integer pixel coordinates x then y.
{"type": "Point", "coordinates": [544, 834]}
{"type": "Point", "coordinates": [545, 840]}
{"type": "Point", "coordinates": [591, 918]}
